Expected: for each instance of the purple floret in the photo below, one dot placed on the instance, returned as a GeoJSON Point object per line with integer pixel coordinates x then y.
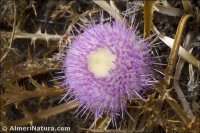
{"type": "Point", "coordinates": [132, 72]}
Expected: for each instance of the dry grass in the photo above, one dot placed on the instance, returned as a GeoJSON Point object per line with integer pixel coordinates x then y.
{"type": "Point", "coordinates": [33, 31]}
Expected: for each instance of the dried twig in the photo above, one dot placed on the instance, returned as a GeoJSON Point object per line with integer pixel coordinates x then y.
{"type": "Point", "coordinates": [103, 4]}
{"type": "Point", "coordinates": [148, 16]}
{"type": "Point", "coordinates": [175, 48]}
{"type": "Point", "coordinates": [12, 35]}
{"type": "Point", "coordinates": [182, 52]}
{"type": "Point", "coordinates": [30, 118]}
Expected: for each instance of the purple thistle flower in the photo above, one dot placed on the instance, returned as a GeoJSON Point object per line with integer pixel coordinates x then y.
{"type": "Point", "coordinates": [104, 65]}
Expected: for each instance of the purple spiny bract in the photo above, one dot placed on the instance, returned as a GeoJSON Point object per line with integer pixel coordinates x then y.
{"type": "Point", "coordinates": [104, 65]}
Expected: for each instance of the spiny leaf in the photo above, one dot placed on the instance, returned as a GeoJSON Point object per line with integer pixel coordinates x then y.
{"type": "Point", "coordinates": [18, 94]}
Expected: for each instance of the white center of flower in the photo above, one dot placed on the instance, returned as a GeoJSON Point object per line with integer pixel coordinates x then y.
{"type": "Point", "coordinates": [100, 62]}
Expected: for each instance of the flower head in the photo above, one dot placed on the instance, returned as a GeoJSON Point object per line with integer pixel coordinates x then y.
{"type": "Point", "coordinates": [104, 65]}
